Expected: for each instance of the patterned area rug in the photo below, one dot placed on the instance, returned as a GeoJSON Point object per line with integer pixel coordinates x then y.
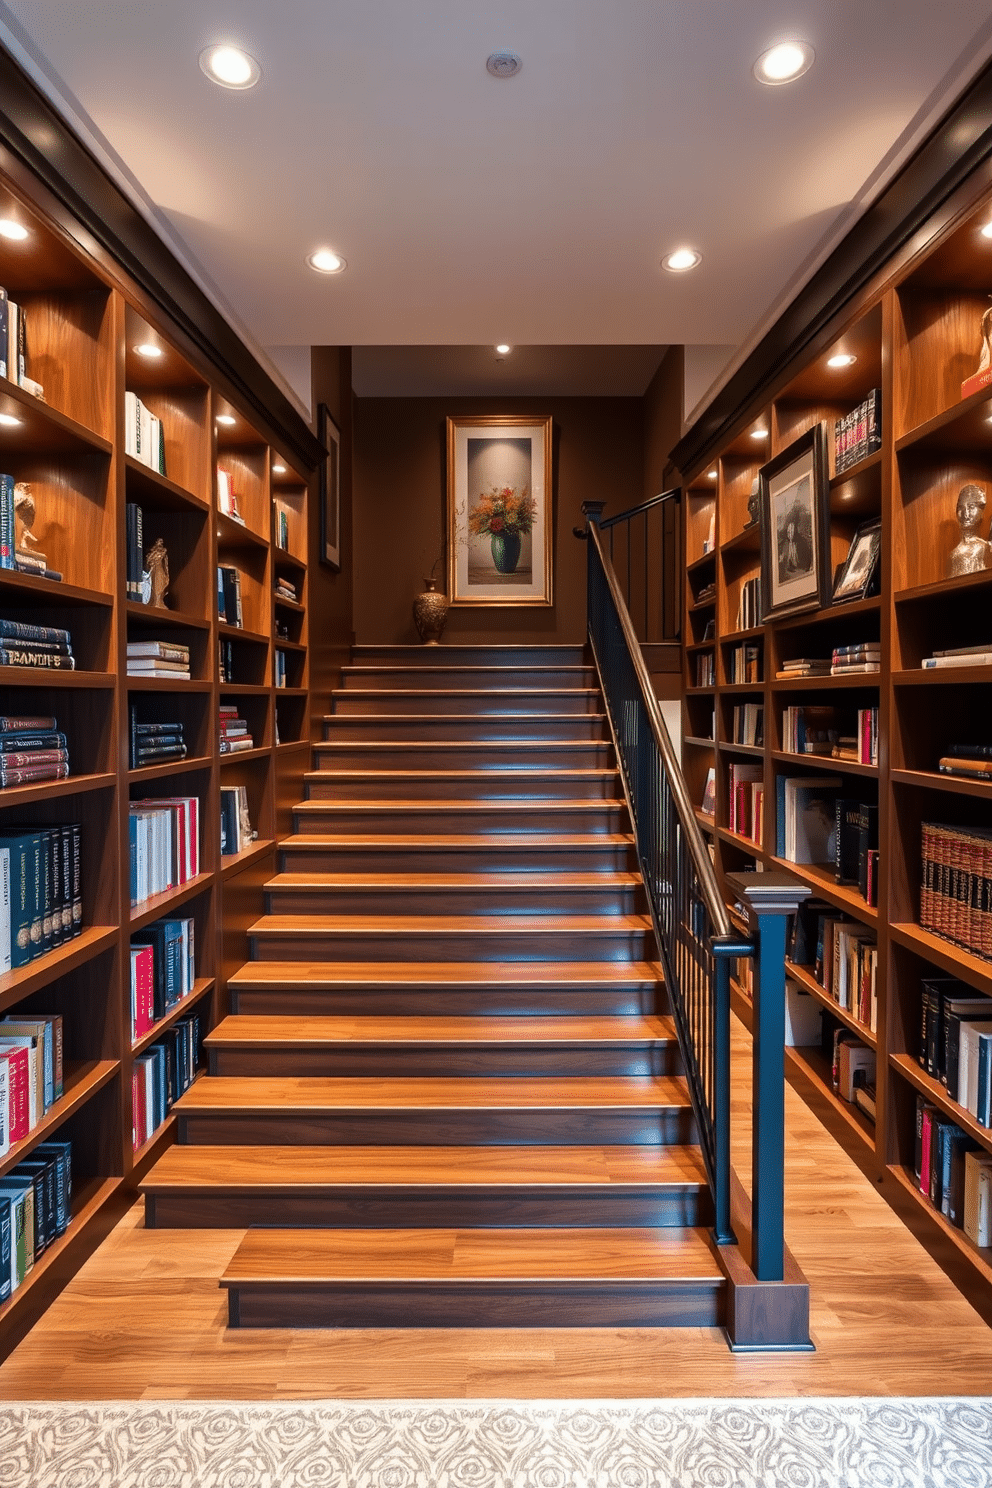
{"type": "Point", "coordinates": [826, 1443]}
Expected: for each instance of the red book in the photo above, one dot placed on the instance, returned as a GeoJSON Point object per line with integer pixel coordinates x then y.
{"type": "Point", "coordinates": [17, 1084]}
{"type": "Point", "coordinates": [143, 972]}
{"type": "Point", "coordinates": [979, 380]}
{"type": "Point", "coordinates": [137, 1107]}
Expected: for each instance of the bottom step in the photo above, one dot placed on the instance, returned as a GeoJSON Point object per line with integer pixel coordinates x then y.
{"type": "Point", "coordinates": [537, 1278]}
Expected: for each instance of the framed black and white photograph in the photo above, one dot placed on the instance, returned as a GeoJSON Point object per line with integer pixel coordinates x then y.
{"type": "Point", "coordinates": [330, 489]}
{"type": "Point", "coordinates": [858, 575]}
{"type": "Point", "coordinates": [795, 528]}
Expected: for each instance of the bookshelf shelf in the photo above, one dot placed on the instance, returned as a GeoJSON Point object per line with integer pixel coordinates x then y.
{"type": "Point", "coordinates": [234, 690]}
{"type": "Point", "coordinates": [13, 676]}
{"type": "Point", "coordinates": [158, 491]}
{"type": "Point", "coordinates": [931, 780]}
{"type": "Point", "coordinates": [80, 1083]}
{"type": "Point", "coordinates": [728, 746]}
{"type": "Point", "coordinates": [820, 877]}
{"type": "Point", "coordinates": [831, 613]}
{"type": "Point", "coordinates": [201, 987]}
{"type": "Point", "coordinates": [803, 975]}
{"type": "Point", "coordinates": [231, 534]}
{"type": "Point", "coordinates": [167, 684]}
{"type": "Point", "coordinates": [282, 558]}
{"type": "Point", "coordinates": [23, 589]}
{"type": "Point", "coordinates": [825, 762]}
{"type": "Point", "coordinates": [289, 604]}
{"type": "Point", "coordinates": [811, 1068]}
{"type": "Point", "coordinates": [235, 862]}
{"type": "Point", "coordinates": [863, 682]}
{"type": "Point", "coordinates": [145, 615]}
{"type": "Point", "coordinates": [160, 905]}
{"type": "Point", "coordinates": [937, 1094]}
{"type": "Point", "coordinates": [41, 428]}
{"type": "Point", "coordinates": [952, 958]}
{"type": "Point", "coordinates": [237, 633]}
{"type": "Point", "coordinates": [89, 1197]}
{"type": "Point", "coordinates": [746, 541]}
{"type": "Point", "coordinates": [168, 768]}
{"type": "Point", "coordinates": [957, 1241]}
{"type": "Point", "coordinates": [739, 840]}
{"type": "Point", "coordinates": [943, 677]}
{"type": "Point", "coordinates": [743, 688]}
{"type": "Point", "coordinates": [48, 790]}
{"type": "Point", "coordinates": [698, 564]}
{"type": "Point", "coordinates": [19, 984]}
{"type": "Point", "coordinates": [963, 584]}
{"type": "Point", "coordinates": [243, 754]}
{"type": "Point", "coordinates": [699, 743]}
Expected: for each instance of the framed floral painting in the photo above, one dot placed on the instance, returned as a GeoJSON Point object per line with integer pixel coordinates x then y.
{"type": "Point", "coordinates": [499, 510]}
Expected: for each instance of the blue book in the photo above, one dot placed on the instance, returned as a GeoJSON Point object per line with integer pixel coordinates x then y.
{"type": "Point", "coordinates": [6, 513]}
{"type": "Point", "coordinates": [6, 1207]}
{"type": "Point", "coordinates": [25, 878]}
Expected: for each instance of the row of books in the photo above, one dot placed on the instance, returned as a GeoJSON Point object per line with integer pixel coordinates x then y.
{"type": "Point", "coordinates": [31, 1073]}
{"type": "Point", "coordinates": [847, 661]}
{"type": "Point", "coordinates": [164, 844]}
{"type": "Point", "coordinates": [960, 656]}
{"type": "Point", "coordinates": [41, 902]}
{"type": "Point", "coordinates": [854, 1070]}
{"type": "Point", "coordinates": [282, 528]}
{"type": "Point", "coordinates": [840, 954]}
{"type": "Point", "coordinates": [227, 501]}
{"type": "Point", "coordinates": [31, 748]}
{"type": "Point", "coordinates": [154, 743]}
{"type": "Point", "coordinates": [236, 831]}
{"type": "Point", "coordinates": [745, 663]}
{"type": "Point", "coordinates": [705, 669]}
{"type": "Point", "coordinates": [749, 724]}
{"type": "Point", "coordinates": [229, 607]}
{"type": "Point", "coordinates": [13, 346]}
{"type": "Point", "coordinates": [158, 659]}
{"type": "Point", "coordinates": [856, 849]}
{"type": "Point", "coordinates": [956, 885]}
{"type": "Point", "coordinates": [859, 433]}
{"type": "Point", "coordinates": [832, 733]}
{"type": "Point", "coordinates": [135, 586]}
{"type": "Point", "coordinates": [281, 669]}
{"type": "Point", "coordinates": [163, 961]}
{"type": "Point", "coordinates": [235, 735]}
{"type": "Point", "coordinates": [969, 761]}
{"type": "Point", "coordinates": [43, 646]}
{"type": "Point", "coordinates": [144, 435]}
{"type": "Point", "coordinates": [749, 604]}
{"type": "Point", "coordinates": [946, 1006]}
{"type": "Point", "coordinates": [161, 1075]}
{"type": "Point", "coordinates": [954, 1172]}
{"type": "Point", "coordinates": [35, 1209]}
{"type": "Point", "coordinates": [286, 589]}
{"type": "Point", "coordinates": [746, 800]}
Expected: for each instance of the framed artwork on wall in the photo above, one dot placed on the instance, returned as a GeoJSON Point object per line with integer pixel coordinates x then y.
{"type": "Point", "coordinates": [794, 495]}
{"type": "Point", "coordinates": [330, 489]}
{"type": "Point", "coordinates": [500, 524]}
{"type": "Point", "coordinates": [858, 576]}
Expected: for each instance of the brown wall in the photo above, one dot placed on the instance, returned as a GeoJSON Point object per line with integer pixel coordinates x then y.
{"type": "Point", "coordinates": [330, 593]}
{"type": "Point", "coordinates": [400, 500]}
{"type": "Point", "coordinates": [663, 401]}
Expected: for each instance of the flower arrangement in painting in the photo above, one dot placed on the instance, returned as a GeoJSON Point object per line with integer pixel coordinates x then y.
{"type": "Point", "coordinates": [503, 510]}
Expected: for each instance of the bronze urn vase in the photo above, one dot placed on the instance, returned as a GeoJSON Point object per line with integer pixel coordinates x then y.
{"type": "Point", "coordinates": [430, 611]}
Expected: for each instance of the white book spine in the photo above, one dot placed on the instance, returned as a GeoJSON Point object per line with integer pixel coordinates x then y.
{"type": "Point", "coordinates": [5, 948]}
{"type": "Point", "coordinates": [5, 1107]}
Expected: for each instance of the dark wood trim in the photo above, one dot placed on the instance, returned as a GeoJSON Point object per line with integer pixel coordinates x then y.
{"type": "Point", "coordinates": [910, 204]}
{"type": "Point", "coordinates": [35, 136]}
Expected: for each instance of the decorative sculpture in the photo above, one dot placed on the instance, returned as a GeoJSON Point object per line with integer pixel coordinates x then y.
{"type": "Point", "coordinates": [25, 542]}
{"type": "Point", "coordinates": [972, 553]}
{"type": "Point", "coordinates": [157, 564]}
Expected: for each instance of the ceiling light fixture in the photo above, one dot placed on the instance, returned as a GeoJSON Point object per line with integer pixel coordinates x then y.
{"type": "Point", "coordinates": [842, 359]}
{"type": "Point", "coordinates": [503, 64]}
{"type": "Point", "coordinates": [784, 63]}
{"type": "Point", "coordinates": [681, 260]}
{"type": "Point", "coordinates": [150, 350]}
{"type": "Point", "coordinates": [278, 470]}
{"type": "Point", "coordinates": [9, 421]}
{"type": "Point", "coordinates": [226, 418]}
{"type": "Point", "coordinates": [229, 67]}
{"type": "Point", "coordinates": [759, 433]}
{"type": "Point", "coordinates": [711, 475]}
{"type": "Point", "coordinates": [503, 349]}
{"type": "Point", "coordinates": [12, 230]}
{"type": "Point", "coordinates": [326, 261]}
{"type": "Point", "coordinates": [987, 230]}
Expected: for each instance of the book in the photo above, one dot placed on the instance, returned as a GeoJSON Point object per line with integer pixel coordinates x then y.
{"type": "Point", "coordinates": [708, 805]}
{"type": "Point", "coordinates": [977, 1218]}
{"type": "Point", "coordinates": [976, 658]}
{"type": "Point", "coordinates": [229, 595]}
{"type": "Point", "coordinates": [858, 434]}
{"type": "Point", "coordinates": [956, 885]}
{"type": "Point", "coordinates": [806, 818]}
{"type": "Point", "coordinates": [975, 382]}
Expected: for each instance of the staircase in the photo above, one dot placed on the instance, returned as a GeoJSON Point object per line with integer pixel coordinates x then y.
{"type": "Point", "coordinates": [448, 1092]}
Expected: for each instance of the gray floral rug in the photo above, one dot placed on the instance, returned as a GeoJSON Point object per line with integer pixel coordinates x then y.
{"type": "Point", "coordinates": [822, 1443]}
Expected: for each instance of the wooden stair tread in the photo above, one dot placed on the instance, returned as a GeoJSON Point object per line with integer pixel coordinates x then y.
{"type": "Point", "coordinates": [441, 720]}
{"type": "Point", "coordinates": [483, 746]}
{"type": "Point", "coordinates": [453, 882]}
{"type": "Point", "coordinates": [315, 1255]}
{"type": "Point", "coordinates": [498, 774]}
{"type": "Point", "coordinates": [442, 805]}
{"type": "Point", "coordinates": [508, 669]}
{"type": "Point", "coordinates": [465, 973]}
{"type": "Point", "coordinates": [229, 1169]}
{"type": "Point", "coordinates": [486, 692]}
{"type": "Point", "coordinates": [298, 1093]}
{"type": "Point", "coordinates": [279, 1030]}
{"type": "Point", "coordinates": [474, 840]}
{"type": "Point", "coordinates": [430, 925]}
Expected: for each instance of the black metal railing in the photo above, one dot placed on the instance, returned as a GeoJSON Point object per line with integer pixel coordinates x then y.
{"type": "Point", "coordinates": [645, 551]}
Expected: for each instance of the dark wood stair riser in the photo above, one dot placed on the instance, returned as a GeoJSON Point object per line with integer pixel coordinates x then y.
{"type": "Point", "coordinates": [445, 1060]}
{"type": "Point", "coordinates": [448, 676]}
{"type": "Point", "coordinates": [491, 942]}
{"type": "Point", "coordinates": [498, 899]}
{"type": "Point", "coordinates": [572, 701]}
{"type": "Point", "coordinates": [480, 728]}
{"type": "Point", "coordinates": [475, 785]}
{"type": "Point", "coordinates": [465, 818]}
{"type": "Point", "coordinates": [454, 655]}
{"type": "Point", "coordinates": [622, 1207]}
{"type": "Point", "coordinates": [625, 1304]}
{"type": "Point", "coordinates": [415, 1127]}
{"type": "Point", "coordinates": [498, 755]}
{"type": "Point", "coordinates": [299, 1000]}
{"type": "Point", "coordinates": [437, 856]}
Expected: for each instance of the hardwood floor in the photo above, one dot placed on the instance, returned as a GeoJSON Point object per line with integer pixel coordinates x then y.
{"type": "Point", "coordinates": [145, 1318]}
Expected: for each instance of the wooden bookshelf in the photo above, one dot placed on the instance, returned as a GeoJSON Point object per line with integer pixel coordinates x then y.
{"type": "Point", "coordinates": [914, 331]}
{"type": "Point", "coordinates": [85, 318]}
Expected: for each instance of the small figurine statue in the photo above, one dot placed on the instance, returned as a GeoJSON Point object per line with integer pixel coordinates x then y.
{"type": "Point", "coordinates": [972, 553]}
{"type": "Point", "coordinates": [157, 564]}
{"type": "Point", "coordinates": [753, 505]}
{"type": "Point", "coordinates": [25, 542]}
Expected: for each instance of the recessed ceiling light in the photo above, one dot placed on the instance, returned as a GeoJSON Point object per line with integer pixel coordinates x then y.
{"type": "Point", "coordinates": [8, 420]}
{"type": "Point", "coordinates": [326, 261]}
{"type": "Point", "coordinates": [503, 64]}
{"type": "Point", "coordinates": [150, 350]}
{"type": "Point", "coordinates": [987, 230]}
{"type": "Point", "coordinates": [226, 418]}
{"type": "Point", "coordinates": [784, 62]}
{"type": "Point", "coordinates": [759, 433]}
{"type": "Point", "coordinates": [278, 470]}
{"type": "Point", "coordinates": [230, 67]}
{"type": "Point", "coordinates": [681, 260]}
{"type": "Point", "coordinates": [502, 348]}
{"type": "Point", "coordinates": [12, 230]}
{"type": "Point", "coordinates": [842, 359]}
{"type": "Point", "coordinates": [711, 475]}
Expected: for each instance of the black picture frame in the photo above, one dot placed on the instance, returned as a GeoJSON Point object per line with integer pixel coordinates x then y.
{"type": "Point", "coordinates": [794, 498]}
{"type": "Point", "coordinates": [858, 575]}
{"type": "Point", "coordinates": [330, 489]}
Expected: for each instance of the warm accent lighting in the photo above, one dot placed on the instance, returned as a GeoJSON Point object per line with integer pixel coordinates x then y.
{"type": "Point", "coordinates": [784, 62]}
{"type": "Point", "coordinates": [681, 260]}
{"type": "Point", "coordinates": [9, 421]}
{"type": "Point", "coordinates": [759, 433]}
{"type": "Point", "coordinates": [150, 350]}
{"type": "Point", "coordinates": [278, 470]}
{"type": "Point", "coordinates": [226, 418]}
{"type": "Point", "coordinates": [230, 67]}
{"type": "Point", "coordinates": [987, 230]}
{"type": "Point", "coordinates": [711, 475]}
{"type": "Point", "coordinates": [842, 359]}
{"type": "Point", "coordinates": [326, 261]}
{"type": "Point", "coordinates": [502, 348]}
{"type": "Point", "coordinates": [12, 230]}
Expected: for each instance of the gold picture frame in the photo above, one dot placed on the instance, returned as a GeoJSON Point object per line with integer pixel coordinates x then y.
{"type": "Point", "coordinates": [500, 509]}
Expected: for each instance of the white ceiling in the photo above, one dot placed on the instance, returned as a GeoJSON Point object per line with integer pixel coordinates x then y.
{"type": "Point", "coordinates": [472, 210]}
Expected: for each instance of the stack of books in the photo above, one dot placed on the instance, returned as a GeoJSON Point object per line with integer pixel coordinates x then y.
{"type": "Point", "coordinates": [155, 743]}
{"type": "Point", "coordinates": [35, 1209]}
{"type": "Point", "coordinates": [970, 761]}
{"type": "Point", "coordinates": [749, 604]}
{"type": "Point", "coordinates": [162, 972]}
{"type": "Point", "coordinates": [229, 595]}
{"type": "Point", "coordinates": [164, 843]}
{"type": "Point", "coordinates": [41, 646]}
{"type": "Point", "coordinates": [234, 734]}
{"type": "Point", "coordinates": [41, 902]}
{"type": "Point", "coordinates": [135, 578]}
{"type": "Point", "coordinates": [144, 436]}
{"type": "Point", "coordinates": [236, 831]}
{"type": "Point", "coordinates": [13, 346]}
{"type": "Point", "coordinates": [31, 748]}
{"type": "Point", "coordinates": [865, 657]}
{"type": "Point", "coordinates": [804, 666]}
{"type": "Point", "coordinates": [227, 501]}
{"type": "Point", "coordinates": [158, 659]}
{"type": "Point", "coordinates": [20, 560]}
{"type": "Point", "coordinates": [749, 724]}
{"type": "Point", "coordinates": [161, 1075]}
{"type": "Point", "coordinates": [707, 593]}
{"type": "Point", "coordinates": [859, 433]}
{"type": "Point", "coordinates": [705, 669]}
{"type": "Point", "coordinates": [962, 656]}
{"type": "Point", "coordinates": [954, 892]}
{"type": "Point", "coordinates": [286, 590]}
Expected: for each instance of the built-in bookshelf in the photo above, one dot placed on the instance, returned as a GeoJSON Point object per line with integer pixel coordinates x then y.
{"type": "Point", "coordinates": [93, 335]}
{"type": "Point", "coordinates": [872, 739]}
